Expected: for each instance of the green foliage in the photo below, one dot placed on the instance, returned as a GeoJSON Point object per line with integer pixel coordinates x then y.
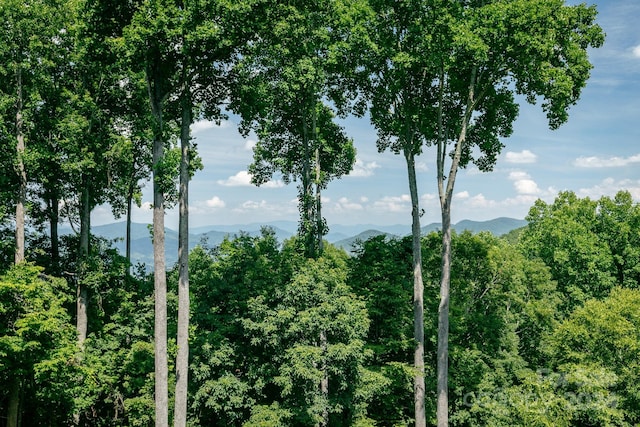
{"type": "Point", "coordinates": [381, 274]}
{"type": "Point", "coordinates": [113, 380]}
{"type": "Point", "coordinates": [549, 398]}
{"type": "Point", "coordinates": [228, 377]}
{"type": "Point", "coordinates": [502, 306]}
{"type": "Point", "coordinates": [617, 224]}
{"type": "Point", "coordinates": [37, 341]}
{"type": "Point", "coordinates": [603, 336]}
{"type": "Point", "coordinates": [268, 416]}
{"type": "Point", "coordinates": [588, 245]}
{"type": "Point", "coordinates": [591, 378]}
{"type": "Point", "coordinates": [314, 327]}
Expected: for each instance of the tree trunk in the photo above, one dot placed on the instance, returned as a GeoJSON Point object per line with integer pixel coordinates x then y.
{"type": "Point", "coordinates": [446, 195]}
{"type": "Point", "coordinates": [128, 231]}
{"type": "Point", "coordinates": [160, 293]}
{"type": "Point", "coordinates": [182, 360]}
{"type": "Point", "coordinates": [418, 292]}
{"type": "Point", "coordinates": [82, 297]}
{"type": "Point", "coordinates": [306, 210]}
{"type": "Point", "coordinates": [13, 409]}
{"type": "Point", "coordinates": [443, 320]}
{"type": "Point", "coordinates": [22, 174]}
{"type": "Point", "coordinates": [319, 223]}
{"type": "Point", "coordinates": [159, 269]}
{"type": "Point", "coordinates": [54, 215]}
{"type": "Point", "coordinates": [324, 383]}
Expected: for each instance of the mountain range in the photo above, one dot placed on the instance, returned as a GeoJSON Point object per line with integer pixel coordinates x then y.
{"type": "Point", "coordinates": [344, 236]}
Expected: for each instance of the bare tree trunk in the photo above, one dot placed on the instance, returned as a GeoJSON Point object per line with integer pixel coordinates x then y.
{"type": "Point", "coordinates": [128, 231]}
{"type": "Point", "coordinates": [307, 205]}
{"type": "Point", "coordinates": [54, 215]}
{"type": "Point", "coordinates": [324, 383]}
{"type": "Point", "coordinates": [418, 293]}
{"type": "Point", "coordinates": [82, 297]}
{"type": "Point", "coordinates": [13, 409]}
{"type": "Point", "coordinates": [159, 268]}
{"type": "Point", "coordinates": [318, 178]}
{"type": "Point", "coordinates": [446, 195]}
{"type": "Point", "coordinates": [182, 360]}
{"type": "Point", "coordinates": [443, 321]}
{"type": "Point", "coordinates": [22, 174]}
{"type": "Point", "coordinates": [318, 201]}
{"type": "Point", "coordinates": [160, 293]}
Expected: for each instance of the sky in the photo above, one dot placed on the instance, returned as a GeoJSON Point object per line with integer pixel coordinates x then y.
{"type": "Point", "coordinates": [596, 153]}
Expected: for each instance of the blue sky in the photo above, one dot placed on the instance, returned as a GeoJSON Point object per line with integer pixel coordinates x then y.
{"type": "Point", "coordinates": [596, 153]}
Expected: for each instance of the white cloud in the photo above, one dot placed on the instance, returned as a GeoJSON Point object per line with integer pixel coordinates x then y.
{"type": "Point", "coordinates": [461, 195]}
{"type": "Point", "coordinates": [516, 175]}
{"type": "Point", "coordinates": [393, 203]}
{"type": "Point", "coordinates": [523, 183]}
{"type": "Point", "coordinates": [524, 156]}
{"type": "Point", "coordinates": [479, 206]}
{"type": "Point", "coordinates": [422, 167]}
{"type": "Point", "coordinates": [144, 206]}
{"type": "Point", "coordinates": [362, 169]}
{"type": "Point", "coordinates": [253, 205]}
{"type": "Point", "coordinates": [344, 205]}
{"type": "Point", "coordinates": [262, 206]}
{"type": "Point", "coordinates": [526, 186]}
{"type": "Point", "coordinates": [215, 202]}
{"type": "Point", "coordinates": [609, 187]}
{"type": "Point", "coordinates": [472, 170]}
{"type": "Point", "coordinates": [207, 206]}
{"type": "Point", "coordinates": [273, 184]}
{"type": "Point", "coordinates": [479, 201]}
{"type": "Point", "coordinates": [249, 144]}
{"type": "Point", "coordinates": [597, 162]}
{"type": "Point", "coordinates": [243, 179]}
{"type": "Point", "coordinates": [202, 125]}
{"type": "Point", "coordinates": [636, 51]}
{"type": "Point", "coordinates": [428, 197]}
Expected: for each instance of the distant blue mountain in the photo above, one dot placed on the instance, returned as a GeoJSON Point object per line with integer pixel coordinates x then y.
{"type": "Point", "coordinates": [497, 226]}
{"type": "Point", "coordinates": [142, 245]}
{"type": "Point", "coordinates": [344, 236]}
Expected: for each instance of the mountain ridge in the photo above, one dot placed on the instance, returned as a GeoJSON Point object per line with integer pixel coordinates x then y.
{"type": "Point", "coordinates": [344, 236]}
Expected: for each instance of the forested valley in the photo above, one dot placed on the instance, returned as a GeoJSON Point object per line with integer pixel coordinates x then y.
{"type": "Point", "coordinates": [97, 97]}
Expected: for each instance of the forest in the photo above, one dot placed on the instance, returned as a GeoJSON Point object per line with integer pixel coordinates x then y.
{"type": "Point", "coordinates": [539, 327]}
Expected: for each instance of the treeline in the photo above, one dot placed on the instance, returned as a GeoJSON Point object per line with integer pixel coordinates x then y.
{"type": "Point", "coordinates": [545, 330]}
{"type": "Point", "coordinates": [97, 97]}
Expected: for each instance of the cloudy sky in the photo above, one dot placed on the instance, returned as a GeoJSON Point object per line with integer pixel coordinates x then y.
{"type": "Point", "coordinates": [596, 153]}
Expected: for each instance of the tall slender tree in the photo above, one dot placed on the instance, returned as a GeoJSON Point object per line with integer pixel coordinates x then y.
{"type": "Point", "coordinates": [28, 33]}
{"type": "Point", "coordinates": [394, 75]}
{"type": "Point", "coordinates": [186, 50]}
{"type": "Point", "coordinates": [88, 130]}
{"type": "Point", "coordinates": [486, 53]}
{"type": "Point", "coordinates": [287, 73]}
{"type": "Point", "coordinates": [28, 37]}
{"type": "Point", "coordinates": [128, 158]}
{"type": "Point", "coordinates": [209, 42]}
{"type": "Point", "coordinates": [153, 37]}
